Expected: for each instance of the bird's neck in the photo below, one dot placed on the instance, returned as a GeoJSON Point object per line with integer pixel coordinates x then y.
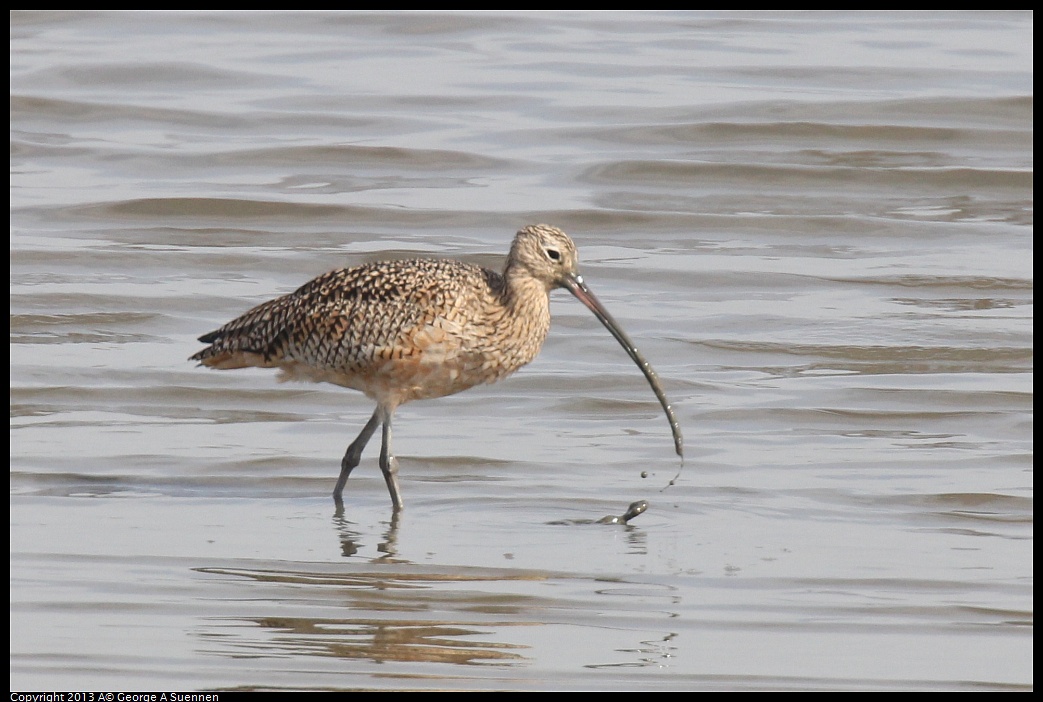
{"type": "Point", "coordinates": [519, 284]}
{"type": "Point", "coordinates": [527, 298]}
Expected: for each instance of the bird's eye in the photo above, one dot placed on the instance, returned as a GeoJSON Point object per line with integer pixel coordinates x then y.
{"type": "Point", "coordinates": [553, 254]}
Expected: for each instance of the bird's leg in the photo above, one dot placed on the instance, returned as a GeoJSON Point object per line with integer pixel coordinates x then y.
{"type": "Point", "coordinates": [354, 453]}
{"type": "Point", "coordinates": [389, 464]}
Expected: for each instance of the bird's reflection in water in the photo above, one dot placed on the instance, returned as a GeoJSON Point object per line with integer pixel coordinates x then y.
{"type": "Point", "coordinates": [351, 539]}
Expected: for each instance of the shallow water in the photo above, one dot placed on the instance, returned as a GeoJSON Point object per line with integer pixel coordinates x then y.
{"type": "Point", "coordinates": [817, 227]}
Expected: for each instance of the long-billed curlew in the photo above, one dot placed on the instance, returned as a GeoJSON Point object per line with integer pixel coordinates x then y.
{"type": "Point", "coordinates": [417, 329]}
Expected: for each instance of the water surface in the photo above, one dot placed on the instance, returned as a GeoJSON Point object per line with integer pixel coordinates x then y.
{"type": "Point", "coordinates": [817, 226]}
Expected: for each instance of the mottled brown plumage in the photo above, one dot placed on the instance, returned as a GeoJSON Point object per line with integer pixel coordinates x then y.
{"type": "Point", "coordinates": [416, 329]}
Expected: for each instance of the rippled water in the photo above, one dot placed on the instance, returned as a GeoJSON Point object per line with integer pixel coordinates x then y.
{"type": "Point", "coordinates": [817, 226]}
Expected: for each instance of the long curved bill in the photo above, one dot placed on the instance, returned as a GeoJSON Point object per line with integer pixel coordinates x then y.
{"type": "Point", "coordinates": [576, 286]}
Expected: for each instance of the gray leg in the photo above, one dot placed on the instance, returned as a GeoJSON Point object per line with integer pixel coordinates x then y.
{"type": "Point", "coordinates": [389, 465]}
{"type": "Point", "coordinates": [354, 453]}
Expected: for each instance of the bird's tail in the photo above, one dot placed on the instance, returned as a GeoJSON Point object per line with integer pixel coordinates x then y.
{"type": "Point", "coordinates": [255, 338]}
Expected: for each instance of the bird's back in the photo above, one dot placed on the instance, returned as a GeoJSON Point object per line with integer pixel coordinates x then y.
{"type": "Point", "coordinates": [396, 330]}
